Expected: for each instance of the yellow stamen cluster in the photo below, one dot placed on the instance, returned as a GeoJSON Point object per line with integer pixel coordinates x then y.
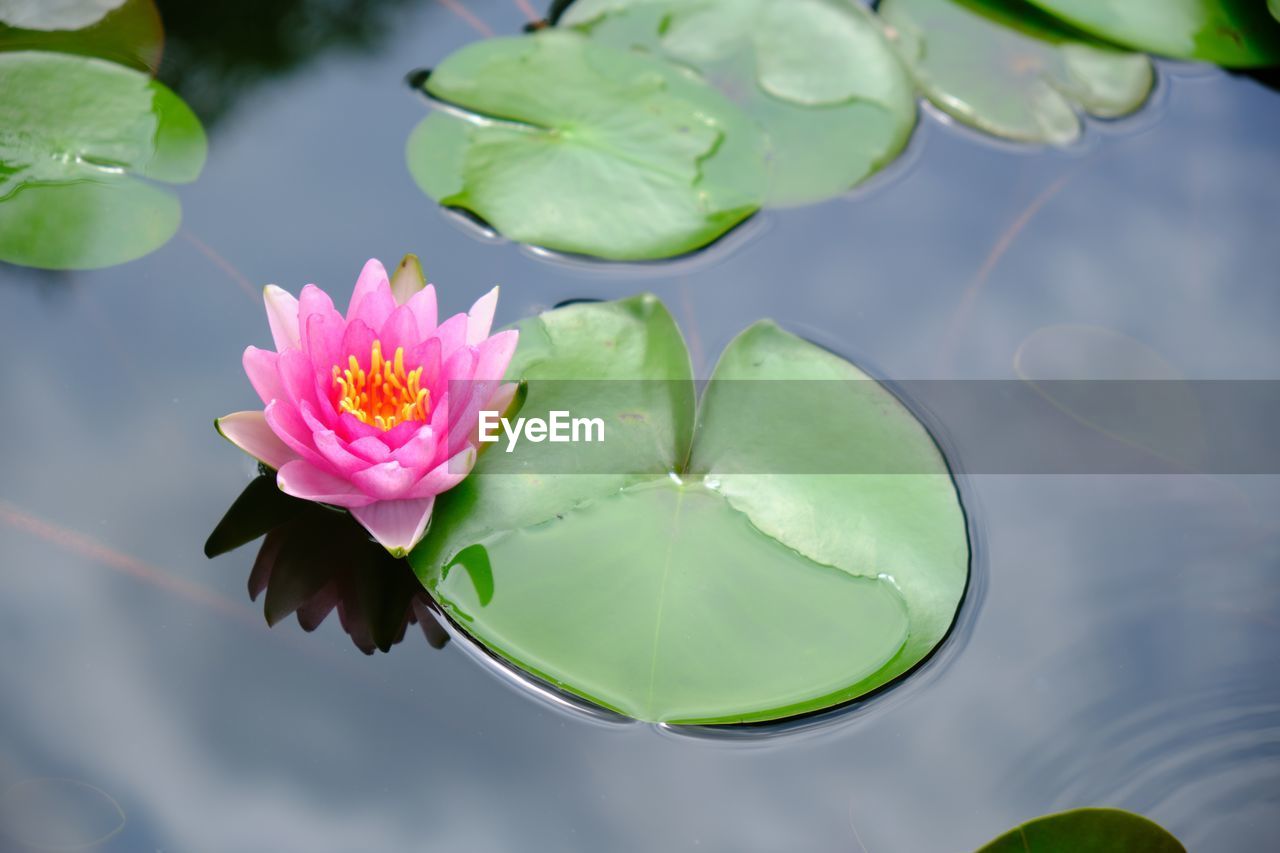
{"type": "Point", "coordinates": [386, 395]}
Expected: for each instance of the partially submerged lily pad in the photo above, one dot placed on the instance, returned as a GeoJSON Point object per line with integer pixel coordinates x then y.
{"type": "Point", "coordinates": [563, 143]}
{"type": "Point", "coordinates": [128, 32]}
{"type": "Point", "coordinates": [817, 75]}
{"type": "Point", "coordinates": [1087, 831]}
{"type": "Point", "coordinates": [1234, 33]}
{"type": "Point", "coordinates": [1009, 70]}
{"type": "Point", "coordinates": [83, 144]}
{"type": "Point", "coordinates": [697, 580]}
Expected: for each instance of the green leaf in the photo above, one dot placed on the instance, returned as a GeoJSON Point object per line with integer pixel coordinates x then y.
{"type": "Point", "coordinates": [1011, 71]}
{"type": "Point", "coordinates": [82, 143]}
{"type": "Point", "coordinates": [1235, 33]}
{"type": "Point", "coordinates": [128, 32]}
{"type": "Point", "coordinates": [579, 147]}
{"type": "Point", "coordinates": [817, 75]}
{"type": "Point", "coordinates": [1087, 831]}
{"type": "Point", "coordinates": [695, 589]}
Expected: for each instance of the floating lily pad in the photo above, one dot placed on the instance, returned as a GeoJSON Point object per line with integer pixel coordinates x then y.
{"type": "Point", "coordinates": [580, 147]}
{"type": "Point", "coordinates": [83, 144]}
{"type": "Point", "coordinates": [1087, 831]}
{"type": "Point", "coordinates": [1007, 69]}
{"type": "Point", "coordinates": [55, 14]}
{"type": "Point", "coordinates": [817, 75]}
{"type": "Point", "coordinates": [128, 32]}
{"type": "Point", "coordinates": [1235, 33]}
{"type": "Point", "coordinates": [697, 580]}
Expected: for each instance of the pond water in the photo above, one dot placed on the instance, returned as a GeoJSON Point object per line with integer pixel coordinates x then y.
{"type": "Point", "coordinates": [1118, 646]}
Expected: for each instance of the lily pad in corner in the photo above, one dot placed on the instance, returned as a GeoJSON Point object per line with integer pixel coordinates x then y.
{"type": "Point", "coordinates": [1234, 33]}
{"type": "Point", "coordinates": [563, 143]}
{"type": "Point", "coordinates": [55, 14]}
{"type": "Point", "coordinates": [1087, 831]}
{"type": "Point", "coordinates": [83, 145]}
{"type": "Point", "coordinates": [696, 578]}
{"type": "Point", "coordinates": [817, 75]}
{"type": "Point", "coordinates": [1005, 68]}
{"type": "Point", "coordinates": [125, 31]}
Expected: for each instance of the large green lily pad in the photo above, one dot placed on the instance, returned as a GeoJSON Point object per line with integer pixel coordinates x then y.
{"type": "Point", "coordinates": [1007, 69]}
{"type": "Point", "coordinates": [698, 577]}
{"type": "Point", "coordinates": [83, 145]}
{"type": "Point", "coordinates": [1235, 33]}
{"type": "Point", "coordinates": [580, 147]}
{"type": "Point", "coordinates": [1087, 831]}
{"type": "Point", "coordinates": [124, 31]}
{"type": "Point", "coordinates": [817, 75]}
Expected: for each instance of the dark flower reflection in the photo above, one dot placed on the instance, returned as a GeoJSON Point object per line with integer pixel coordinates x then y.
{"type": "Point", "coordinates": [315, 560]}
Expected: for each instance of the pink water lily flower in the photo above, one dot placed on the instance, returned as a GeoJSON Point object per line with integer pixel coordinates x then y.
{"type": "Point", "coordinates": [358, 408]}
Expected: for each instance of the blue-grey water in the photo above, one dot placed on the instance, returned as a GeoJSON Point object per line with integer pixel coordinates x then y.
{"type": "Point", "coordinates": [1119, 648]}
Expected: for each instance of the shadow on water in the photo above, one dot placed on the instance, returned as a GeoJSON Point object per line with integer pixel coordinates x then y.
{"type": "Point", "coordinates": [315, 560]}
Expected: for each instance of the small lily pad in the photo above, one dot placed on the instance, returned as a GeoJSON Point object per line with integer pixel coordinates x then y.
{"type": "Point", "coordinates": [128, 32]}
{"type": "Point", "coordinates": [84, 147]}
{"type": "Point", "coordinates": [817, 75]}
{"type": "Point", "coordinates": [1007, 69]}
{"type": "Point", "coordinates": [563, 143]}
{"type": "Point", "coordinates": [1087, 831]}
{"type": "Point", "coordinates": [696, 579]}
{"type": "Point", "coordinates": [1234, 33]}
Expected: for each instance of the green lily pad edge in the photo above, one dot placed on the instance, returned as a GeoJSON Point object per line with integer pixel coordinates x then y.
{"type": "Point", "coordinates": [692, 589]}
{"type": "Point", "coordinates": [87, 157]}
{"type": "Point", "coordinates": [540, 135]}
{"type": "Point", "coordinates": [1086, 830]}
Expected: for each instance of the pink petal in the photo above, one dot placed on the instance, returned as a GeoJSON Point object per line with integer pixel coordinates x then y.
{"type": "Point", "coordinates": [446, 475]}
{"type": "Point", "coordinates": [282, 316]}
{"type": "Point", "coordinates": [298, 377]}
{"type": "Point", "coordinates": [303, 480]}
{"type": "Point", "coordinates": [261, 366]}
{"type": "Point", "coordinates": [480, 317]}
{"type": "Point", "coordinates": [353, 429]}
{"type": "Point", "coordinates": [400, 330]}
{"type": "Point", "coordinates": [324, 339]}
{"type": "Point", "coordinates": [452, 334]}
{"type": "Point", "coordinates": [427, 356]}
{"type": "Point", "coordinates": [385, 481]}
{"type": "Point", "coordinates": [250, 432]}
{"type": "Point", "coordinates": [397, 525]}
{"type": "Point", "coordinates": [286, 423]}
{"type": "Point", "coordinates": [400, 433]}
{"type": "Point", "coordinates": [358, 341]}
{"type": "Point", "coordinates": [316, 420]}
{"type": "Point", "coordinates": [494, 354]}
{"type": "Point", "coordinates": [418, 452]}
{"type": "Point", "coordinates": [311, 302]}
{"type": "Point", "coordinates": [371, 448]}
{"type": "Point", "coordinates": [335, 451]}
{"type": "Point", "coordinates": [423, 306]}
{"type": "Point", "coordinates": [501, 399]}
{"type": "Point", "coordinates": [371, 301]}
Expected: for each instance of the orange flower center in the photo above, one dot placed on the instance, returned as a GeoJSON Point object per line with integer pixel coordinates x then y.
{"type": "Point", "coordinates": [386, 395]}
